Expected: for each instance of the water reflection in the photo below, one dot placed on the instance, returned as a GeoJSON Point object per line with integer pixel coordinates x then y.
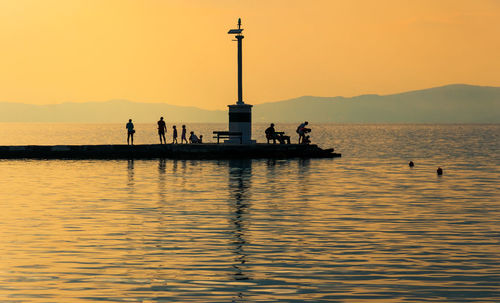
{"type": "Point", "coordinates": [162, 167]}
{"type": "Point", "coordinates": [240, 172]}
{"type": "Point", "coordinates": [174, 166]}
{"type": "Point", "coordinates": [130, 174]}
{"type": "Point", "coordinates": [304, 175]}
{"type": "Point", "coordinates": [304, 165]}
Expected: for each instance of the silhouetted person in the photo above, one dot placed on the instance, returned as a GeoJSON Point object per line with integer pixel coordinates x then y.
{"type": "Point", "coordinates": [439, 171]}
{"type": "Point", "coordinates": [306, 140]}
{"type": "Point", "coordinates": [201, 139]}
{"type": "Point", "coordinates": [183, 134]}
{"type": "Point", "coordinates": [161, 130]}
{"type": "Point", "coordinates": [411, 164]}
{"type": "Point", "coordinates": [271, 134]}
{"type": "Point", "coordinates": [130, 132]}
{"type": "Point", "coordinates": [174, 135]}
{"type": "Point", "coordinates": [302, 130]}
{"type": "Point", "coordinates": [193, 138]}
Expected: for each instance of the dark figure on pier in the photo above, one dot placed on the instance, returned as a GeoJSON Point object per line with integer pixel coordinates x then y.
{"type": "Point", "coordinates": [130, 132]}
{"type": "Point", "coordinates": [201, 139]}
{"type": "Point", "coordinates": [174, 138]}
{"type": "Point", "coordinates": [271, 134]}
{"type": "Point", "coordinates": [439, 171]}
{"type": "Point", "coordinates": [161, 130]}
{"type": "Point", "coordinates": [302, 130]}
{"type": "Point", "coordinates": [411, 164]}
{"type": "Point", "coordinates": [193, 138]}
{"type": "Point", "coordinates": [183, 134]}
{"type": "Point", "coordinates": [306, 140]}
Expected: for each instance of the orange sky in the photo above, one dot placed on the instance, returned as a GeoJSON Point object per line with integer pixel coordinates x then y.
{"type": "Point", "coordinates": [178, 51]}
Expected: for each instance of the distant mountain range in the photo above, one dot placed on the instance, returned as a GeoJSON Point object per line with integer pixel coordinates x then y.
{"type": "Point", "coordinates": [102, 112]}
{"type": "Point", "coordinates": [447, 104]}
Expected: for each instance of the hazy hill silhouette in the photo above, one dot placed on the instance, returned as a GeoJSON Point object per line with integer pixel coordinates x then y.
{"type": "Point", "coordinates": [110, 111]}
{"type": "Point", "coordinates": [447, 104]}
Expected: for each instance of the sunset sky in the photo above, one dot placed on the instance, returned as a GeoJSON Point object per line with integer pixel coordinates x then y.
{"type": "Point", "coordinates": [178, 51]}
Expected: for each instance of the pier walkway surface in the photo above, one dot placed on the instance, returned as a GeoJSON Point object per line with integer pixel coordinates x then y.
{"type": "Point", "coordinates": [172, 151]}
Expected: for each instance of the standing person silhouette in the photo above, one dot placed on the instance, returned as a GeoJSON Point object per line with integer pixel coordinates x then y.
{"type": "Point", "coordinates": [183, 135]}
{"type": "Point", "coordinates": [161, 130]}
{"type": "Point", "coordinates": [130, 132]}
{"type": "Point", "coordinates": [174, 136]}
{"type": "Point", "coordinates": [301, 130]}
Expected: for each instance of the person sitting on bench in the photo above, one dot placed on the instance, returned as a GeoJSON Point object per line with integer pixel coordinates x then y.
{"type": "Point", "coordinates": [271, 134]}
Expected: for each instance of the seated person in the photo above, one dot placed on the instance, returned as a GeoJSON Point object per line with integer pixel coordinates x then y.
{"type": "Point", "coordinates": [193, 138]}
{"type": "Point", "coordinates": [306, 140]}
{"type": "Point", "coordinates": [271, 133]}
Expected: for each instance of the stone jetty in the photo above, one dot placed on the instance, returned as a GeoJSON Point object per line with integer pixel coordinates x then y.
{"type": "Point", "coordinates": [168, 151]}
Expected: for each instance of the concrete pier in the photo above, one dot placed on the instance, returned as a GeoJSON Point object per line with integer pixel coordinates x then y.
{"type": "Point", "coordinates": [170, 151]}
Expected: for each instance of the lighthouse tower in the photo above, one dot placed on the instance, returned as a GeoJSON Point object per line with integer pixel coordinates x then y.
{"type": "Point", "coordinates": [240, 114]}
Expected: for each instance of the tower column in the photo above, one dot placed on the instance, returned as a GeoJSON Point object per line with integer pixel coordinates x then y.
{"type": "Point", "coordinates": [240, 68]}
{"type": "Point", "coordinates": [240, 114]}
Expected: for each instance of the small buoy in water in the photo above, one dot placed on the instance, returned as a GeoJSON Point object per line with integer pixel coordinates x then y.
{"type": "Point", "coordinates": [411, 164]}
{"type": "Point", "coordinates": [439, 171]}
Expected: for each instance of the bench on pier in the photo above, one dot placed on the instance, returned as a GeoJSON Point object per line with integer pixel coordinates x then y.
{"type": "Point", "coordinates": [227, 135]}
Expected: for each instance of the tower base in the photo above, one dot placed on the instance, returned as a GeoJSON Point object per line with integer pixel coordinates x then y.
{"type": "Point", "coordinates": [240, 120]}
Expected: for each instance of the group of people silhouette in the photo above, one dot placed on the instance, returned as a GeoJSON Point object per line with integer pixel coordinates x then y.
{"type": "Point", "coordinates": [302, 130]}
{"type": "Point", "coordinates": [162, 129]}
{"type": "Point", "coordinates": [271, 134]}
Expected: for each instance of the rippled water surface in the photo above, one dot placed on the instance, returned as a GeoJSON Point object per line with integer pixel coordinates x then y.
{"type": "Point", "coordinates": [361, 228]}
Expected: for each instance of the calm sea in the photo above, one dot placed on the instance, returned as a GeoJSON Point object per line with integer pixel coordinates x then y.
{"type": "Point", "coordinates": [361, 228]}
